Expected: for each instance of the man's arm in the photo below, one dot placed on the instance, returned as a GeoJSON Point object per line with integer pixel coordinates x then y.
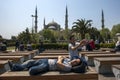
{"type": "Point", "coordinates": [83, 42]}
{"type": "Point", "coordinates": [59, 62]}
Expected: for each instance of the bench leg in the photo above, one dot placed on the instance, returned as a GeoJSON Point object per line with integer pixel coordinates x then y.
{"type": "Point", "coordinates": [102, 68]}
{"type": "Point", "coordinates": [116, 73]}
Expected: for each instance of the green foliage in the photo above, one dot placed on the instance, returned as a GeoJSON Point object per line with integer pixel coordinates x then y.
{"type": "Point", "coordinates": [94, 33]}
{"type": "Point", "coordinates": [107, 45]}
{"type": "Point", "coordinates": [35, 38]}
{"type": "Point", "coordinates": [81, 26]}
{"type": "Point", "coordinates": [47, 34]}
{"type": "Point", "coordinates": [105, 33]}
{"type": "Point", "coordinates": [50, 35]}
{"type": "Point", "coordinates": [25, 36]}
{"type": "Point", "coordinates": [115, 29]}
{"type": "Point", "coordinates": [97, 46]}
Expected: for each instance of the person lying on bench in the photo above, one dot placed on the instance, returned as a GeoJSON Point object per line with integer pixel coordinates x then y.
{"type": "Point", "coordinates": [43, 65]}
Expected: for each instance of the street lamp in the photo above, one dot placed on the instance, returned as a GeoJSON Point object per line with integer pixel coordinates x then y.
{"type": "Point", "coordinates": [32, 20]}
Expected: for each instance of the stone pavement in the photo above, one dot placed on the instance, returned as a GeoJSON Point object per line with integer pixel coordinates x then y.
{"type": "Point", "coordinates": [106, 77]}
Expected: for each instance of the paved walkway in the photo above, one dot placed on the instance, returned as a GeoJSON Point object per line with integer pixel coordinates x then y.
{"type": "Point", "coordinates": [106, 77]}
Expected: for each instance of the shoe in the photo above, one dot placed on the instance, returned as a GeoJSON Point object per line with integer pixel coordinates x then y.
{"type": "Point", "coordinates": [10, 65]}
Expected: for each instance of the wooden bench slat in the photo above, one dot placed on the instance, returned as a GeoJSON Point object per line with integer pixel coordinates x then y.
{"type": "Point", "coordinates": [55, 51]}
{"type": "Point", "coordinates": [47, 57]}
{"type": "Point", "coordinates": [90, 57]}
{"type": "Point", "coordinates": [25, 55]}
{"type": "Point", "coordinates": [14, 58]}
{"type": "Point", "coordinates": [51, 75]}
{"type": "Point", "coordinates": [47, 54]}
{"type": "Point", "coordinates": [2, 63]}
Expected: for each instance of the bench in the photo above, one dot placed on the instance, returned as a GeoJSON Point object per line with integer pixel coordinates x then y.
{"type": "Point", "coordinates": [54, 54]}
{"type": "Point", "coordinates": [104, 64]}
{"type": "Point", "coordinates": [90, 57]}
{"type": "Point", "coordinates": [48, 57]}
{"type": "Point", "coordinates": [18, 59]}
{"type": "Point", "coordinates": [106, 49]}
{"type": "Point", "coordinates": [51, 75]}
{"type": "Point", "coordinates": [25, 55]}
{"type": "Point", "coordinates": [33, 53]}
{"type": "Point", "coordinates": [55, 51]}
{"type": "Point", "coordinates": [93, 52]}
{"type": "Point", "coordinates": [116, 71]}
{"type": "Point", "coordinates": [118, 52]}
{"type": "Point", "coordinates": [3, 66]}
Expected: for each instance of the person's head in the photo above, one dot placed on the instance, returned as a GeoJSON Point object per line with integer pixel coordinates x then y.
{"type": "Point", "coordinates": [72, 38]}
{"type": "Point", "coordinates": [75, 62]}
{"type": "Point", "coordinates": [79, 65]}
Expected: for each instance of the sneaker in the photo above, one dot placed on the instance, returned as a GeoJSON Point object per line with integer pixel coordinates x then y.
{"type": "Point", "coordinates": [10, 65]}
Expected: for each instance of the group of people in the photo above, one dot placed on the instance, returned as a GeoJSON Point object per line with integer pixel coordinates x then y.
{"type": "Point", "coordinates": [20, 46]}
{"type": "Point", "coordinates": [74, 63]}
{"type": "Point", "coordinates": [90, 45]}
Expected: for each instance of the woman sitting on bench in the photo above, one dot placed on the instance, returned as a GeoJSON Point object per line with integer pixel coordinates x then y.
{"type": "Point", "coordinates": [43, 65]}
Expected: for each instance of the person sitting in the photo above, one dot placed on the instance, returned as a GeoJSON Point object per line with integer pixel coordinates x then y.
{"type": "Point", "coordinates": [16, 45]}
{"type": "Point", "coordinates": [43, 65]}
{"type": "Point", "coordinates": [92, 44]}
{"type": "Point", "coordinates": [88, 46]}
{"type": "Point", "coordinates": [21, 46]}
{"type": "Point", "coordinates": [73, 46]}
{"type": "Point", "coordinates": [117, 46]}
{"type": "Point", "coordinates": [29, 46]}
{"type": "Point", "coordinates": [41, 47]}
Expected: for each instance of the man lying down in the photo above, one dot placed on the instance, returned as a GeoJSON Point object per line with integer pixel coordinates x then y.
{"type": "Point", "coordinates": [43, 65]}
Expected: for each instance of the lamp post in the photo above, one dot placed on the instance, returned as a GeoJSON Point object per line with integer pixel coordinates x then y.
{"type": "Point", "coordinates": [32, 20]}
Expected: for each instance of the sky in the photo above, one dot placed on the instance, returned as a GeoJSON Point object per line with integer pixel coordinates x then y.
{"type": "Point", "coordinates": [15, 15]}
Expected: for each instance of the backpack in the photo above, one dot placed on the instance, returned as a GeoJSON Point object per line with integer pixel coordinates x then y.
{"type": "Point", "coordinates": [81, 68]}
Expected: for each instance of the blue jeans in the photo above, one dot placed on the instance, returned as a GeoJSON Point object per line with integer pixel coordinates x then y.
{"type": "Point", "coordinates": [34, 66]}
{"type": "Point", "coordinates": [74, 57]}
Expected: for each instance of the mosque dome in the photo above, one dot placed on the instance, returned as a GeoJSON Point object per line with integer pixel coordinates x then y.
{"type": "Point", "coordinates": [53, 25]}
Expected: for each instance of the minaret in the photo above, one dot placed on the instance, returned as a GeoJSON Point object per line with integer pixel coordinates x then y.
{"type": "Point", "coordinates": [102, 20]}
{"type": "Point", "coordinates": [36, 20]}
{"type": "Point", "coordinates": [66, 19]}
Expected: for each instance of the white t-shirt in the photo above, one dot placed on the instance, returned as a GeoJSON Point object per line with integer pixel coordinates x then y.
{"type": "Point", "coordinates": [53, 66]}
{"type": "Point", "coordinates": [73, 52]}
{"type": "Point", "coordinates": [118, 43]}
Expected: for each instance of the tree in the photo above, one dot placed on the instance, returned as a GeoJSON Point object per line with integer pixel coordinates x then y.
{"type": "Point", "coordinates": [81, 26]}
{"type": "Point", "coordinates": [49, 35]}
{"type": "Point", "coordinates": [94, 33]}
{"type": "Point", "coordinates": [25, 36]}
{"type": "Point", "coordinates": [13, 38]}
{"type": "Point", "coordinates": [105, 33]}
{"type": "Point", "coordinates": [35, 38]}
{"type": "Point", "coordinates": [115, 29]}
{"type": "Point", "coordinates": [1, 38]}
